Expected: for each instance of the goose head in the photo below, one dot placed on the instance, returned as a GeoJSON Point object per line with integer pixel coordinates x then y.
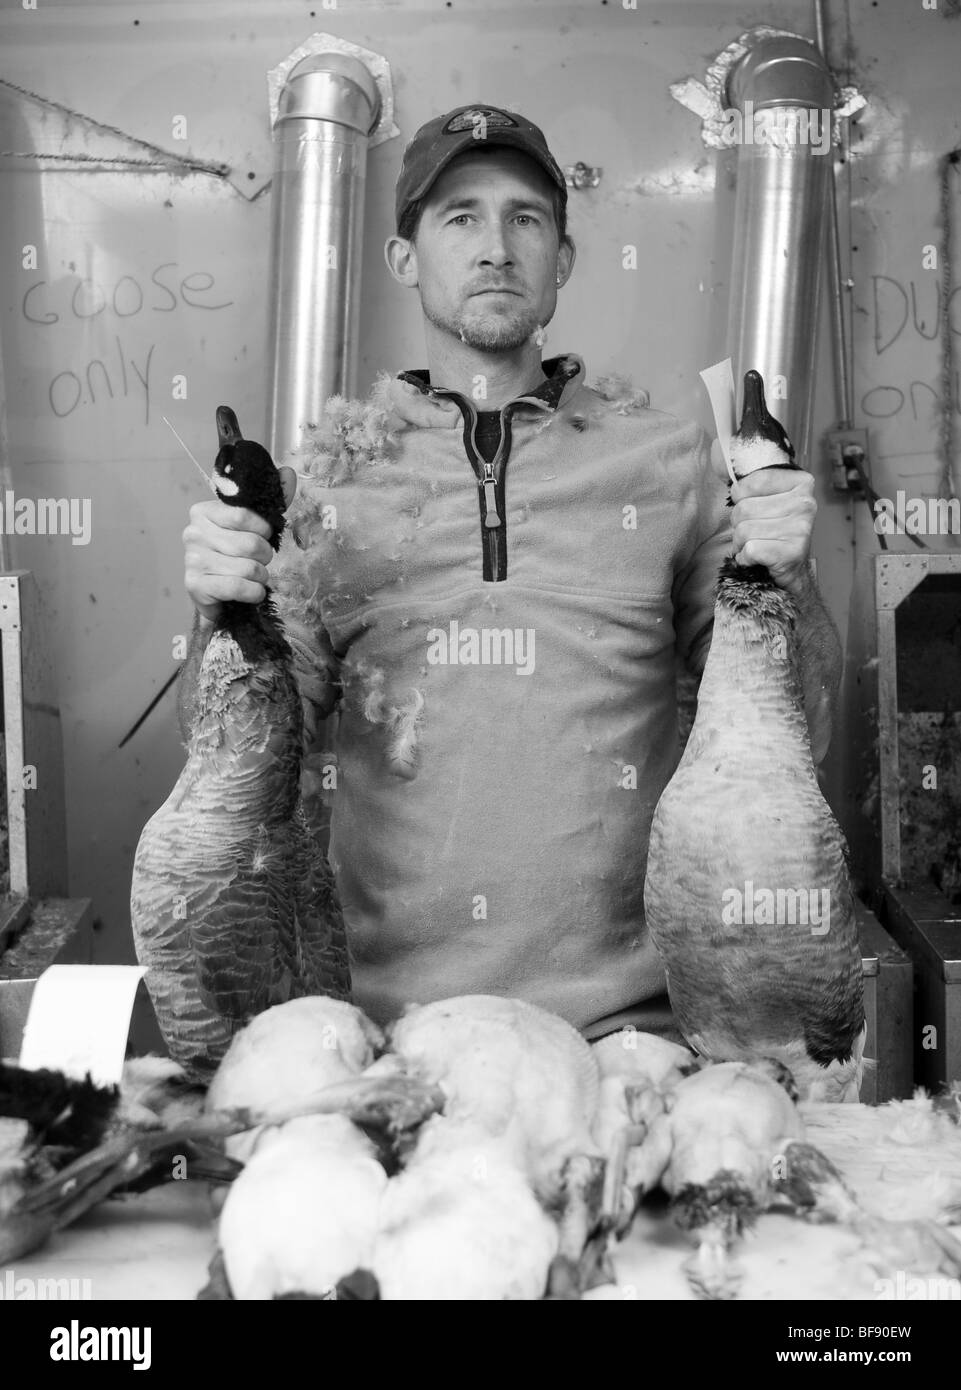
{"type": "Point", "coordinates": [760, 441]}
{"type": "Point", "coordinates": [245, 474]}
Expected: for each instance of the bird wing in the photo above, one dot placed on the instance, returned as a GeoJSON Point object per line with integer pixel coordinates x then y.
{"type": "Point", "coordinates": [234, 941]}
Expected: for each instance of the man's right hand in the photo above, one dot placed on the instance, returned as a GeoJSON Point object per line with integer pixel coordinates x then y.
{"type": "Point", "coordinates": [227, 551]}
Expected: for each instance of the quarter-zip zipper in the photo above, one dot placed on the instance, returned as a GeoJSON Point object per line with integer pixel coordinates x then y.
{"type": "Point", "coordinates": [493, 486]}
{"type": "Point", "coordinates": [490, 485]}
{"type": "Point", "coordinates": [491, 477]}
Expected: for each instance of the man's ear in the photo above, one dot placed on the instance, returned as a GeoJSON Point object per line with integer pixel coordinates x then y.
{"type": "Point", "coordinates": [566, 252]}
{"type": "Point", "coordinates": [288, 481]}
{"type": "Point", "coordinates": [401, 257]}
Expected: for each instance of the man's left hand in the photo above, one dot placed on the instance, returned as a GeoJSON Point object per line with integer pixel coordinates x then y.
{"type": "Point", "coordinates": [772, 522]}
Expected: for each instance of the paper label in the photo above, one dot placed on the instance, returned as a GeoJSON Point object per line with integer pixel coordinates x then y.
{"type": "Point", "coordinates": [719, 381]}
{"type": "Point", "coordinates": [79, 1020]}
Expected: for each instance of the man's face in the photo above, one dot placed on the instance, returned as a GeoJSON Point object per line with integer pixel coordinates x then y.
{"type": "Point", "coordinates": [488, 222]}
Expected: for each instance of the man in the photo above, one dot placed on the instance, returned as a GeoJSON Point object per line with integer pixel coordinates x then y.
{"type": "Point", "coordinates": [527, 567]}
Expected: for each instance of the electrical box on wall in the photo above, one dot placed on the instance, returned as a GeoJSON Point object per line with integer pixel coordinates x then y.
{"type": "Point", "coordinates": [848, 458]}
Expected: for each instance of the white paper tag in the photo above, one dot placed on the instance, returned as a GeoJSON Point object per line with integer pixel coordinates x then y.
{"type": "Point", "coordinates": [79, 1020]}
{"type": "Point", "coordinates": [719, 381]}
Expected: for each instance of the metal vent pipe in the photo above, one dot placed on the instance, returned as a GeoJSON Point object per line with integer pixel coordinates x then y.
{"type": "Point", "coordinates": [327, 110]}
{"type": "Point", "coordinates": [783, 186]}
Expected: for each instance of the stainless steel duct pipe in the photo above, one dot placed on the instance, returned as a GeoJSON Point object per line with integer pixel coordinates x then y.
{"type": "Point", "coordinates": [784, 93]}
{"type": "Point", "coordinates": [327, 110]}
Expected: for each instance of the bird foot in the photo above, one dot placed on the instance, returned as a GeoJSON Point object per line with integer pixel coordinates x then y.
{"type": "Point", "coordinates": [617, 1204]}
{"type": "Point", "coordinates": [582, 1199]}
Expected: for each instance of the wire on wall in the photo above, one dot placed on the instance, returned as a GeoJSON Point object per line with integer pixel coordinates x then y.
{"type": "Point", "coordinates": [163, 160]}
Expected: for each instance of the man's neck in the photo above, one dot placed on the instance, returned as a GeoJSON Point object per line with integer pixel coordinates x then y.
{"type": "Point", "coordinates": [458, 367]}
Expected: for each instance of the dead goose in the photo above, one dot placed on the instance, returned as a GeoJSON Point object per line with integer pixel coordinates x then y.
{"type": "Point", "coordinates": [233, 903]}
{"type": "Point", "coordinates": [747, 896]}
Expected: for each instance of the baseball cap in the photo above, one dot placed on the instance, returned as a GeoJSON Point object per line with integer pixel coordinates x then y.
{"type": "Point", "coordinates": [442, 139]}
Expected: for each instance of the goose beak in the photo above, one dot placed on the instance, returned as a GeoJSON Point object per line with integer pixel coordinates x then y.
{"type": "Point", "coordinates": [754, 413]}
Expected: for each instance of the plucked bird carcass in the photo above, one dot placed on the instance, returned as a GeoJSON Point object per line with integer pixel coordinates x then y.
{"type": "Point", "coordinates": [303, 1215]}
{"type": "Point", "coordinates": [713, 1143]}
{"type": "Point", "coordinates": [233, 903]}
{"type": "Point", "coordinates": [286, 1055]}
{"type": "Point", "coordinates": [461, 1221]}
{"type": "Point", "coordinates": [514, 1142]}
{"type": "Point", "coordinates": [513, 1071]}
{"type": "Point", "coordinates": [313, 1056]}
{"type": "Point", "coordinates": [747, 895]}
{"type": "Point", "coordinates": [727, 1142]}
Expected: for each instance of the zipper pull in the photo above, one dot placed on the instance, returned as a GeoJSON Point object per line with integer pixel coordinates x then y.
{"type": "Point", "coordinates": [490, 504]}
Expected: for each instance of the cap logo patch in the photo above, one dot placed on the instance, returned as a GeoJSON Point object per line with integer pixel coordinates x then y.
{"type": "Point", "coordinates": [477, 115]}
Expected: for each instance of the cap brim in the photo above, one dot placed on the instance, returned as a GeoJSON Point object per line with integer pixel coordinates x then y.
{"type": "Point", "coordinates": [467, 141]}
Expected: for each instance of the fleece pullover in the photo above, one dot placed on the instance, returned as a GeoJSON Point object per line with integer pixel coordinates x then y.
{"type": "Point", "coordinates": [502, 613]}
